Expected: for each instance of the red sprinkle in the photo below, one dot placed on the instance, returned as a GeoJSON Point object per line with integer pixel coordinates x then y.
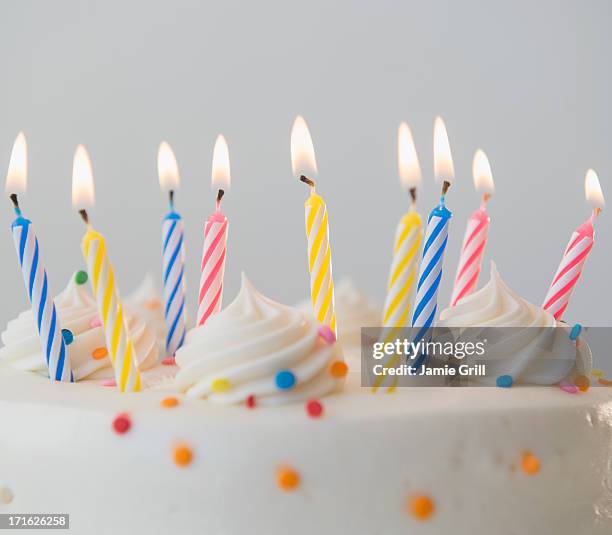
{"type": "Point", "coordinates": [250, 402]}
{"type": "Point", "coordinates": [107, 382]}
{"type": "Point", "coordinates": [314, 408]}
{"type": "Point", "coordinates": [170, 361]}
{"type": "Point", "coordinates": [121, 424]}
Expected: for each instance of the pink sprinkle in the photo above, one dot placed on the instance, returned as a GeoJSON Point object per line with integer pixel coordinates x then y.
{"type": "Point", "coordinates": [95, 322]}
{"type": "Point", "coordinates": [327, 334]}
{"type": "Point", "coordinates": [170, 361]}
{"type": "Point", "coordinates": [569, 388]}
{"type": "Point", "coordinates": [107, 382]}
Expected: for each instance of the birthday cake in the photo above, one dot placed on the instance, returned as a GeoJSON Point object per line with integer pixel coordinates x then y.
{"type": "Point", "coordinates": [330, 457]}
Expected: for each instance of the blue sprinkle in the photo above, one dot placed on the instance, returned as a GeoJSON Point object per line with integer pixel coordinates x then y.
{"type": "Point", "coordinates": [68, 336]}
{"type": "Point", "coordinates": [575, 332]}
{"type": "Point", "coordinates": [504, 381]}
{"type": "Point", "coordinates": [285, 380]}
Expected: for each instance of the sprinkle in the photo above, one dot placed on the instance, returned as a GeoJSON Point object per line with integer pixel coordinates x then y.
{"type": "Point", "coordinates": [170, 361]}
{"type": "Point", "coordinates": [338, 369]}
{"type": "Point", "coordinates": [250, 402]}
{"type": "Point", "coordinates": [121, 424]}
{"type": "Point", "coordinates": [68, 336]}
{"type": "Point", "coordinates": [287, 479]}
{"type": "Point", "coordinates": [220, 385]}
{"type": "Point", "coordinates": [582, 382]}
{"type": "Point", "coordinates": [314, 408]}
{"type": "Point", "coordinates": [504, 381]}
{"type": "Point", "coordinates": [575, 332]}
{"type": "Point", "coordinates": [604, 382]}
{"type": "Point", "coordinates": [107, 382]}
{"type": "Point", "coordinates": [81, 277]}
{"type": "Point", "coordinates": [568, 387]}
{"type": "Point", "coordinates": [183, 455]}
{"type": "Point", "coordinates": [169, 402]}
{"type": "Point", "coordinates": [327, 334]}
{"type": "Point", "coordinates": [95, 322]}
{"type": "Point", "coordinates": [530, 464]}
{"type": "Point", "coordinates": [422, 507]}
{"type": "Point", "coordinates": [153, 304]}
{"type": "Point", "coordinates": [597, 373]}
{"type": "Point", "coordinates": [6, 495]}
{"type": "Point", "coordinates": [285, 380]}
{"type": "Point", "coordinates": [99, 353]}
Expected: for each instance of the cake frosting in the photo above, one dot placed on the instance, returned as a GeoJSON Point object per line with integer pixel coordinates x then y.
{"type": "Point", "coordinates": [245, 347]}
{"type": "Point", "coordinates": [78, 313]}
{"type": "Point", "coordinates": [146, 303]}
{"type": "Point", "coordinates": [530, 348]}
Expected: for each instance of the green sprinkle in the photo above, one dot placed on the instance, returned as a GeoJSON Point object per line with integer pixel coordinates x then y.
{"type": "Point", "coordinates": [81, 277]}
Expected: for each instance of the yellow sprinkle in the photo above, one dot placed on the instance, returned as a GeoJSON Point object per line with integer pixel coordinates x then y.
{"type": "Point", "coordinates": [220, 385]}
{"type": "Point", "coordinates": [597, 373]}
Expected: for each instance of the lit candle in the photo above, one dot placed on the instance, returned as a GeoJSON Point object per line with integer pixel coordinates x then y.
{"type": "Point", "coordinates": [576, 252]}
{"type": "Point", "coordinates": [34, 274]}
{"type": "Point", "coordinates": [408, 238]}
{"type": "Point", "coordinates": [215, 238]}
{"type": "Point", "coordinates": [102, 279]}
{"type": "Point", "coordinates": [436, 236]}
{"type": "Point", "coordinates": [317, 227]}
{"type": "Point", "coordinates": [173, 253]}
{"type": "Point", "coordinates": [476, 233]}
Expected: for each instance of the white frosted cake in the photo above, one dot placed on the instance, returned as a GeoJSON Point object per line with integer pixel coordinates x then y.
{"type": "Point", "coordinates": [260, 430]}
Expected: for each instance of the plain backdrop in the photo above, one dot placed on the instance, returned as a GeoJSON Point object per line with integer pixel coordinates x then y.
{"type": "Point", "coordinates": [529, 82]}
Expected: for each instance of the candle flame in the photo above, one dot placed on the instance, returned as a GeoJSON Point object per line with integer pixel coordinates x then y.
{"type": "Point", "coordinates": [443, 159]}
{"type": "Point", "coordinates": [303, 159]}
{"type": "Point", "coordinates": [167, 168]}
{"type": "Point", "coordinates": [481, 171]}
{"type": "Point", "coordinates": [83, 191]}
{"type": "Point", "coordinates": [221, 165]}
{"type": "Point", "coordinates": [17, 175]}
{"type": "Point", "coordinates": [592, 190]}
{"type": "Point", "coordinates": [407, 159]}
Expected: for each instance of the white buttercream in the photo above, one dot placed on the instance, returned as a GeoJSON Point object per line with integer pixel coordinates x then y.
{"type": "Point", "coordinates": [76, 309]}
{"type": "Point", "coordinates": [533, 352]}
{"type": "Point", "coordinates": [247, 344]}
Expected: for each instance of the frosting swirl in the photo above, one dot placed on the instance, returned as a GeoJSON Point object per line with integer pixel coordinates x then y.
{"type": "Point", "coordinates": [244, 347]}
{"type": "Point", "coordinates": [78, 313]}
{"type": "Point", "coordinates": [146, 303]}
{"type": "Point", "coordinates": [532, 350]}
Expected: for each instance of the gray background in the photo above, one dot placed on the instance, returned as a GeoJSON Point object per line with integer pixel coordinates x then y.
{"type": "Point", "coordinates": [529, 82]}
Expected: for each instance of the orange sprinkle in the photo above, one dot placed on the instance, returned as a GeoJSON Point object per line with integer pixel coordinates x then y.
{"type": "Point", "coordinates": [153, 304]}
{"type": "Point", "coordinates": [338, 369]}
{"type": "Point", "coordinates": [182, 455]}
{"type": "Point", "coordinates": [604, 382]}
{"type": "Point", "coordinates": [287, 479]}
{"type": "Point", "coordinates": [169, 402]}
{"type": "Point", "coordinates": [582, 382]}
{"type": "Point", "coordinates": [99, 353]}
{"type": "Point", "coordinates": [421, 507]}
{"type": "Point", "coordinates": [530, 464]}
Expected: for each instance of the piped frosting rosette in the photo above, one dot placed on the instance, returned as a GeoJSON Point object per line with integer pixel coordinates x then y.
{"type": "Point", "coordinates": [146, 303]}
{"type": "Point", "coordinates": [257, 347]}
{"type": "Point", "coordinates": [78, 313]}
{"type": "Point", "coordinates": [522, 340]}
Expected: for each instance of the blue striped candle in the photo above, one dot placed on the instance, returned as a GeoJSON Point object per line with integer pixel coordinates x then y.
{"type": "Point", "coordinates": [174, 281]}
{"type": "Point", "coordinates": [43, 308]}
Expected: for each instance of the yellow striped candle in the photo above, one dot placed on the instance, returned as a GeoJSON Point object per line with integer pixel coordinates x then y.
{"type": "Point", "coordinates": [317, 228]}
{"type": "Point", "coordinates": [110, 308]}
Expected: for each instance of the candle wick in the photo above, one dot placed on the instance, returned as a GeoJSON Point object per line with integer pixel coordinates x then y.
{"type": "Point", "coordinates": [445, 187]}
{"type": "Point", "coordinates": [413, 196]}
{"type": "Point", "coordinates": [485, 199]}
{"type": "Point", "coordinates": [220, 194]}
{"type": "Point", "coordinates": [84, 216]}
{"type": "Point", "coordinates": [596, 212]}
{"type": "Point", "coordinates": [15, 202]}
{"type": "Point", "coordinates": [308, 181]}
{"type": "Point", "coordinates": [171, 200]}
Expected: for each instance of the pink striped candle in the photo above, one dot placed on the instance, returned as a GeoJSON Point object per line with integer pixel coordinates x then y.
{"type": "Point", "coordinates": [215, 240]}
{"type": "Point", "coordinates": [575, 254]}
{"type": "Point", "coordinates": [476, 233]}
